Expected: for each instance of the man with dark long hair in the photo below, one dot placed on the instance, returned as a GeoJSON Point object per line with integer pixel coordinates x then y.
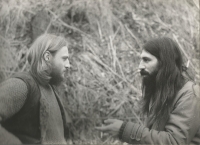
{"type": "Point", "coordinates": [31, 111]}
{"type": "Point", "coordinates": [170, 100]}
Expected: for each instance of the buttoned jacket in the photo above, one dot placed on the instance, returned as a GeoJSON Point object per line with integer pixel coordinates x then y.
{"type": "Point", "coordinates": [182, 127]}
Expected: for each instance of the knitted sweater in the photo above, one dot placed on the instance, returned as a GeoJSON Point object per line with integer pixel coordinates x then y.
{"type": "Point", "coordinates": [13, 94]}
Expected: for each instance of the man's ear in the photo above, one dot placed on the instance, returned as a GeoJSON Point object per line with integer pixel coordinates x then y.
{"type": "Point", "coordinates": [47, 56]}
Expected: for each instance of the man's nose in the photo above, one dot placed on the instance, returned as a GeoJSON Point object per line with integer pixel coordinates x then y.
{"type": "Point", "coordinates": [67, 64]}
{"type": "Point", "coordinates": [141, 66]}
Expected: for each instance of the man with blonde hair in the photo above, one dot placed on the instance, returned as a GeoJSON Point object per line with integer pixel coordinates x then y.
{"type": "Point", "coordinates": [31, 110]}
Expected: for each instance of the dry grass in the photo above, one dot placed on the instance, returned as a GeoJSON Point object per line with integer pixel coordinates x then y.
{"type": "Point", "coordinates": [106, 38]}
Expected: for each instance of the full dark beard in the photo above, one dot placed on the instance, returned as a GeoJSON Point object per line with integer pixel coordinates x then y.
{"type": "Point", "coordinates": [56, 78]}
{"type": "Point", "coordinates": [149, 83]}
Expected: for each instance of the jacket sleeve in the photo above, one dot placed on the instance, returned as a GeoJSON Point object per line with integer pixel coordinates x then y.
{"type": "Point", "coordinates": [13, 93]}
{"type": "Point", "coordinates": [183, 124]}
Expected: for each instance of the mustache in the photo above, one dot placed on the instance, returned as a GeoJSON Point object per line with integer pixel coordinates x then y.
{"type": "Point", "coordinates": [143, 72]}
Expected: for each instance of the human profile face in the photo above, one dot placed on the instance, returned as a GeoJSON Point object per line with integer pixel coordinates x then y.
{"type": "Point", "coordinates": [148, 64]}
{"type": "Point", "coordinates": [60, 64]}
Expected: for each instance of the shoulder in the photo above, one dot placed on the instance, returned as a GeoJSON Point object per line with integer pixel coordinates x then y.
{"type": "Point", "coordinates": [196, 90]}
{"type": "Point", "coordinates": [20, 83]}
{"type": "Point", "coordinates": [188, 88]}
{"type": "Point", "coordinates": [13, 84]}
{"type": "Point", "coordinates": [188, 93]}
{"type": "Point", "coordinates": [13, 91]}
{"type": "Point", "coordinates": [29, 80]}
{"type": "Point", "coordinates": [23, 76]}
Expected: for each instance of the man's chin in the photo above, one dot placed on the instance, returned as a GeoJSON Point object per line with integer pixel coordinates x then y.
{"type": "Point", "coordinates": [57, 80]}
{"type": "Point", "coordinates": [148, 79]}
{"type": "Point", "coordinates": [64, 75]}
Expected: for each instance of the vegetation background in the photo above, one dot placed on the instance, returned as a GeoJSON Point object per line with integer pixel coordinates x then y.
{"type": "Point", "coordinates": [106, 38]}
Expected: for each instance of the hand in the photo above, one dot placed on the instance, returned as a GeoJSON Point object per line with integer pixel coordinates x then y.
{"type": "Point", "coordinates": [112, 126]}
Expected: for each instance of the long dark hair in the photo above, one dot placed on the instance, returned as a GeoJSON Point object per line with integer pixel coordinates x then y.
{"type": "Point", "coordinates": [168, 79]}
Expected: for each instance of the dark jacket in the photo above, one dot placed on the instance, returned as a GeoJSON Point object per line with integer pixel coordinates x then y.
{"type": "Point", "coordinates": [182, 127]}
{"type": "Point", "coordinates": [29, 124]}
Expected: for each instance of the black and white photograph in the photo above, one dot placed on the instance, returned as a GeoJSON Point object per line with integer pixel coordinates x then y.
{"type": "Point", "coordinates": [100, 72]}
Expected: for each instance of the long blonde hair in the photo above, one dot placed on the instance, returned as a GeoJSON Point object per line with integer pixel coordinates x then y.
{"type": "Point", "coordinates": [40, 69]}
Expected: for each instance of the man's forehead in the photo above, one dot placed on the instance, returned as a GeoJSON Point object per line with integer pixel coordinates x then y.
{"type": "Point", "coordinates": [64, 50]}
{"type": "Point", "coordinates": [146, 54]}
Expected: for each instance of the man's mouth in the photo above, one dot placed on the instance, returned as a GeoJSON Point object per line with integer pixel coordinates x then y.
{"type": "Point", "coordinates": [144, 73]}
{"type": "Point", "coordinates": [66, 71]}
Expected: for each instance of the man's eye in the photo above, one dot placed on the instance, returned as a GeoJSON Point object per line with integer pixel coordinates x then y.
{"type": "Point", "coordinates": [65, 58]}
{"type": "Point", "coordinates": [146, 60]}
